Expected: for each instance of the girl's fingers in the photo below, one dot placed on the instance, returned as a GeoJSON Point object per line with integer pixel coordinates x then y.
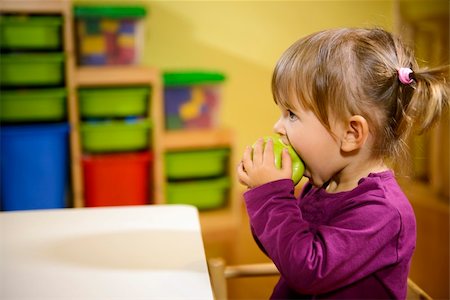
{"type": "Point", "coordinates": [268, 152]}
{"type": "Point", "coordinates": [242, 175]}
{"type": "Point", "coordinates": [258, 149]}
{"type": "Point", "coordinates": [247, 162]}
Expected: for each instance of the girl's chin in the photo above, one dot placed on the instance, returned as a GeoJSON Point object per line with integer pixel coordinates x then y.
{"type": "Point", "coordinates": [310, 179]}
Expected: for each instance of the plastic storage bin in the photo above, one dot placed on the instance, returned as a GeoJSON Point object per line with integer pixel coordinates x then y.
{"type": "Point", "coordinates": [34, 166]}
{"type": "Point", "coordinates": [191, 99]}
{"type": "Point", "coordinates": [109, 35]}
{"type": "Point", "coordinates": [196, 164]}
{"type": "Point", "coordinates": [30, 32]}
{"type": "Point", "coordinates": [113, 102]}
{"type": "Point", "coordinates": [117, 179]}
{"type": "Point", "coordinates": [33, 105]}
{"type": "Point", "coordinates": [32, 69]}
{"type": "Point", "coordinates": [109, 136]}
{"type": "Point", "coordinates": [204, 194]}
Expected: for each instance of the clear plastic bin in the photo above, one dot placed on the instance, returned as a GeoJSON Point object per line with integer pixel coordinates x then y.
{"type": "Point", "coordinates": [109, 35]}
{"type": "Point", "coordinates": [192, 99]}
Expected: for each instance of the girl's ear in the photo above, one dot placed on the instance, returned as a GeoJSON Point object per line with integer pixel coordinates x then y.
{"type": "Point", "coordinates": [356, 132]}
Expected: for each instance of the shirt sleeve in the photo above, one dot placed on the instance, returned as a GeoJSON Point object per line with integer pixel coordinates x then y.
{"type": "Point", "coordinates": [317, 259]}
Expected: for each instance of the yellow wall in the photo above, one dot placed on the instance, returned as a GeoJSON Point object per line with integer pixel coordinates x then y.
{"type": "Point", "coordinates": [244, 39]}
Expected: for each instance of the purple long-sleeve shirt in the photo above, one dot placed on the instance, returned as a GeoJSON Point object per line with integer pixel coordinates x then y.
{"type": "Point", "coordinates": [348, 245]}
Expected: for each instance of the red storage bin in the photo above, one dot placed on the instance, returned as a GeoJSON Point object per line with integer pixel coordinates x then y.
{"type": "Point", "coordinates": [117, 179]}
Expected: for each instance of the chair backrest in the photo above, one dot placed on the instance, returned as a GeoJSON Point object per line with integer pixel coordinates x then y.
{"type": "Point", "coordinates": [216, 268]}
{"type": "Point", "coordinates": [220, 272]}
{"type": "Point", "coordinates": [415, 292]}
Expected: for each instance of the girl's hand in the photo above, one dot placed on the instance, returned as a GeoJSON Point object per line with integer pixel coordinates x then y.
{"type": "Point", "coordinates": [258, 165]}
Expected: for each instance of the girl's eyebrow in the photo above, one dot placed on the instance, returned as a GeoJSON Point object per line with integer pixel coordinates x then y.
{"type": "Point", "coordinates": [292, 109]}
{"type": "Point", "coordinates": [288, 106]}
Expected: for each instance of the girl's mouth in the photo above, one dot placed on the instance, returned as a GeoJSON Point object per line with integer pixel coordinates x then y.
{"type": "Point", "coordinates": [285, 140]}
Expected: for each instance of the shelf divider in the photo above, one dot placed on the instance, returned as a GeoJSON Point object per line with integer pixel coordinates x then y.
{"type": "Point", "coordinates": [187, 139]}
{"type": "Point", "coordinates": [115, 75]}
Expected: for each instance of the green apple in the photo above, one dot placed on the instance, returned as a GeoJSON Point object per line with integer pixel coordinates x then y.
{"type": "Point", "coordinates": [297, 164]}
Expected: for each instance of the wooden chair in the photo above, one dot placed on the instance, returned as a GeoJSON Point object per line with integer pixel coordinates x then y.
{"type": "Point", "coordinates": [415, 292]}
{"type": "Point", "coordinates": [220, 272]}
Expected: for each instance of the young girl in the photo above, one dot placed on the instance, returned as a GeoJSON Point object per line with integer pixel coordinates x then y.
{"type": "Point", "coordinates": [348, 100]}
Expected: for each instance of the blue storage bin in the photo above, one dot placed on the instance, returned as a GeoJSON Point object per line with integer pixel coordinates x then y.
{"type": "Point", "coordinates": [34, 166]}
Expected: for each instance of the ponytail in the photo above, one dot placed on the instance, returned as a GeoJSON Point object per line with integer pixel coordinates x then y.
{"type": "Point", "coordinates": [430, 96]}
{"type": "Point", "coordinates": [420, 103]}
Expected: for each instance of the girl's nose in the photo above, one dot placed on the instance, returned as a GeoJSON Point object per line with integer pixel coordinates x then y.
{"type": "Point", "coordinates": [278, 127]}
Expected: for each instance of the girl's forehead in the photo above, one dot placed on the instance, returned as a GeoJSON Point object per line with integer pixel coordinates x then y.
{"type": "Point", "coordinates": [293, 102]}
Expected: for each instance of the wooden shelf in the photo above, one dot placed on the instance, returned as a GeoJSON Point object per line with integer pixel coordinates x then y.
{"type": "Point", "coordinates": [115, 75]}
{"type": "Point", "coordinates": [195, 139]}
{"type": "Point", "coordinates": [33, 6]}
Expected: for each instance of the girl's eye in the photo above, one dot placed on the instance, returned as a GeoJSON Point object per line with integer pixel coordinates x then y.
{"type": "Point", "coordinates": [292, 116]}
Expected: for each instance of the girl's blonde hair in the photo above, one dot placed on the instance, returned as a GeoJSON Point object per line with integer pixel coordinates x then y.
{"type": "Point", "coordinates": [338, 73]}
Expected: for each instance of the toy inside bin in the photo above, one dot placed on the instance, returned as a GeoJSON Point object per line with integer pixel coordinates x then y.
{"type": "Point", "coordinates": [192, 99]}
{"type": "Point", "coordinates": [109, 35]}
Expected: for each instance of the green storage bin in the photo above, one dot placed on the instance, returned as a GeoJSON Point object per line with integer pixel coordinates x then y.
{"type": "Point", "coordinates": [113, 102]}
{"type": "Point", "coordinates": [204, 194]}
{"type": "Point", "coordinates": [32, 69]}
{"type": "Point", "coordinates": [30, 32]}
{"type": "Point", "coordinates": [115, 136]}
{"type": "Point", "coordinates": [33, 105]}
{"type": "Point", "coordinates": [196, 164]}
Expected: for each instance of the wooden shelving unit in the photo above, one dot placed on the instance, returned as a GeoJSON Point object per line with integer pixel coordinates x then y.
{"type": "Point", "coordinates": [216, 224]}
{"type": "Point", "coordinates": [129, 76]}
{"type": "Point", "coordinates": [63, 8]}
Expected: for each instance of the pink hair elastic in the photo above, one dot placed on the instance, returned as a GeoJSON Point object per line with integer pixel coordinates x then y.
{"type": "Point", "coordinates": [403, 75]}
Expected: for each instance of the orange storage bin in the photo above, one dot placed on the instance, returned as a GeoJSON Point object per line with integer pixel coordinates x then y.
{"type": "Point", "coordinates": [117, 179]}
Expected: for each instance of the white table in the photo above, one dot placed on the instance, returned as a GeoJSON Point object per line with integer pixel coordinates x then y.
{"type": "Point", "coordinates": [134, 252]}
